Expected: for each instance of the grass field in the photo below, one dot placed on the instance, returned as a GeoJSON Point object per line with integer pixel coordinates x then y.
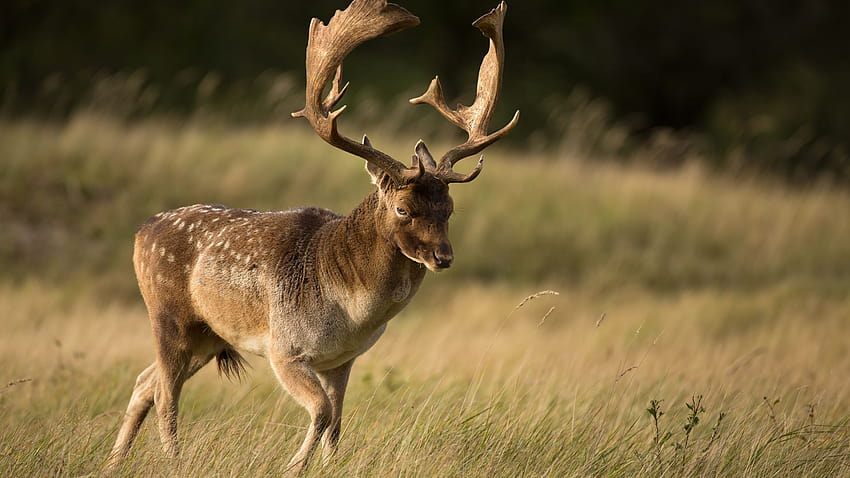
{"type": "Point", "coordinates": [721, 305]}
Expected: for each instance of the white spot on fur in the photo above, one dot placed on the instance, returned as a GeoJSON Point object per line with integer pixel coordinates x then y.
{"type": "Point", "coordinates": [191, 227]}
{"type": "Point", "coordinates": [227, 245]}
{"type": "Point", "coordinates": [162, 251]}
{"type": "Point", "coordinates": [171, 258]}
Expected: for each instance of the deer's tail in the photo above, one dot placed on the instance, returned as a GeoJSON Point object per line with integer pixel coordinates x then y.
{"type": "Point", "coordinates": [231, 364]}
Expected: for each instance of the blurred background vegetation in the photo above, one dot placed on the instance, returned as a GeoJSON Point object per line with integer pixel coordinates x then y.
{"type": "Point", "coordinates": [663, 146]}
{"type": "Point", "coordinates": [750, 85]}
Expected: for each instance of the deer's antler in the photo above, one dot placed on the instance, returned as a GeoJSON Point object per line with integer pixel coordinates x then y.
{"type": "Point", "coordinates": [327, 47]}
{"type": "Point", "coordinates": [474, 119]}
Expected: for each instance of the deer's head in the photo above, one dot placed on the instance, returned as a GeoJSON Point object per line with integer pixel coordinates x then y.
{"type": "Point", "coordinates": [414, 202]}
{"type": "Point", "coordinates": [414, 215]}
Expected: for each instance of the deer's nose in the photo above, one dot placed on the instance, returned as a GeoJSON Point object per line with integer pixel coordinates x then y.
{"type": "Point", "coordinates": [443, 259]}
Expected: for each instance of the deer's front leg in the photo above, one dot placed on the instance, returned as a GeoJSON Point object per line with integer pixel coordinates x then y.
{"type": "Point", "coordinates": [301, 382]}
{"type": "Point", "coordinates": [334, 382]}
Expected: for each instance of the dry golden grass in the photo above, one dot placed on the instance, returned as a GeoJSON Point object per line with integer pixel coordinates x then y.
{"type": "Point", "coordinates": [671, 286]}
{"type": "Point", "coordinates": [473, 387]}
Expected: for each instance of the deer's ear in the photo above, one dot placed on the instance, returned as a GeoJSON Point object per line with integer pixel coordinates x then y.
{"type": "Point", "coordinates": [424, 155]}
{"type": "Point", "coordinates": [375, 173]}
{"type": "Point", "coordinates": [379, 178]}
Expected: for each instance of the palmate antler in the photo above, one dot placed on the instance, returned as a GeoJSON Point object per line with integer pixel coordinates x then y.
{"type": "Point", "coordinates": [327, 47]}
{"type": "Point", "coordinates": [363, 20]}
{"type": "Point", "coordinates": [474, 119]}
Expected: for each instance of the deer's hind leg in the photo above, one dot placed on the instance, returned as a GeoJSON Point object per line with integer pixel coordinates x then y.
{"type": "Point", "coordinates": [140, 403]}
{"type": "Point", "coordinates": [182, 350]}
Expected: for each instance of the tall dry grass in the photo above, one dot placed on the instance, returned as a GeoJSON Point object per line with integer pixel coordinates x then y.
{"type": "Point", "coordinates": [469, 388]}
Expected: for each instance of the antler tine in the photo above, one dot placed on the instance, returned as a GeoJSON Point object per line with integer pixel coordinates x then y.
{"type": "Point", "coordinates": [335, 94]}
{"type": "Point", "coordinates": [327, 47]}
{"type": "Point", "coordinates": [475, 119]}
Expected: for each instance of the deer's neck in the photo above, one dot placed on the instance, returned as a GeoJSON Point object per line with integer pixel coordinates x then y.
{"type": "Point", "coordinates": [368, 273]}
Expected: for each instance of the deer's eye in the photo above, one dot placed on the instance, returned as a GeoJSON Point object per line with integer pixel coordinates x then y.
{"type": "Point", "coordinates": [401, 212]}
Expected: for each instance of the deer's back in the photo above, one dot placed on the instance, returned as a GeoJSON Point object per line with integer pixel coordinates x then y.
{"type": "Point", "coordinates": [223, 267]}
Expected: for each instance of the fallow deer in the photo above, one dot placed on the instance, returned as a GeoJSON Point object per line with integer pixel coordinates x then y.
{"type": "Point", "coordinates": [306, 288]}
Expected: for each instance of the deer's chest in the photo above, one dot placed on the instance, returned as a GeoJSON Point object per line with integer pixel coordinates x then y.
{"type": "Point", "coordinates": [333, 353]}
{"type": "Point", "coordinates": [381, 301]}
{"type": "Point", "coordinates": [358, 319]}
